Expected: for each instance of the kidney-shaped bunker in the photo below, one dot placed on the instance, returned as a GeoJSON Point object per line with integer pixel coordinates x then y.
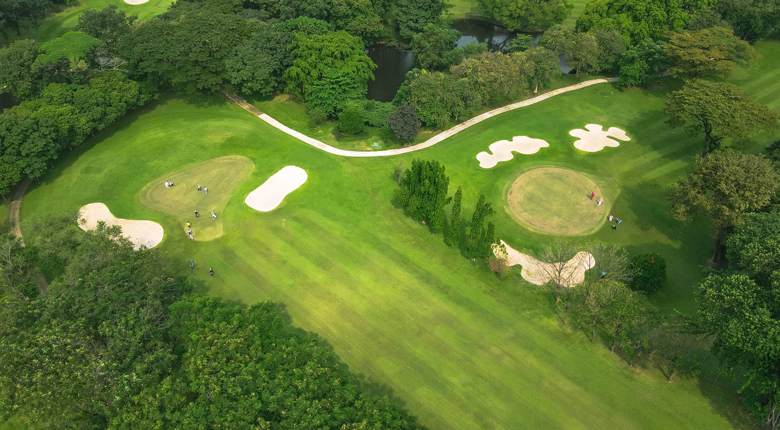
{"type": "Point", "coordinates": [268, 196]}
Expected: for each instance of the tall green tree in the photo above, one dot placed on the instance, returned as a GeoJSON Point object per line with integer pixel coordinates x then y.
{"type": "Point", "coordinates": [479, 235]}
{"type": "Point", "coordinates": [337, 55]}
{"type": "Point", "coordinates": [109, 25]}
{"type": "Point", "coordinates": [642, 63]}
{"type": "Point", "coordinates": [750, 19]}
{"type": "Point", "coordinates": [453, 234]}
{"type": "Point", "coordinates": [17, 75]}
{"type": "Point", "coordinates": [719, 110]}
{"type": "Point", "coordinates": [257, 65]}
{"type": "Point", "coordinates": [423, 193]}
{"type": "Point", "coordinates": [412, 16]}
{"type": "Point", "coordinates": [404, 123]}
{"type": "Point", "coordinates": [71, 51]}
{"type": "Point", "coordinates": [712, 52]}
{"type": "Point", "coordinates": [722, 188]}
{"type": "Point", "coordinates": [527, 14]}
{"type": "Point", "coordinates": [434, 47]}
{"type": "Point", "coordinates": [545, 66]}
{"type": "Point", "coordinates": [637, 20]}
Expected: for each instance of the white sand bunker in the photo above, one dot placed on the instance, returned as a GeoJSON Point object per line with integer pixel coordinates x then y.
{"type": "Point", "coordinates": [136, 2]}
{"type": "Point", "coordinates": [140, 232]}
{"type": "Point", "coordinates": [502, 150]}
{"type": "Point", "coordinates": [595, 139]}
{"type": "Point", "coordinates": [540, 273]}
{"type": "Point", "coordinates": [268, 196]}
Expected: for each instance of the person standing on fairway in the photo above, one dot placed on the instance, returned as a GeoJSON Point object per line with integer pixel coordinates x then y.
{"type": "Point", "coordinates": [600, 202]}
{"type": "Point", "coordinates": [191, 237]}
{"type": "Point", "coordinates": [198, 187]}
{"type": "Point", "coordinates": [592, 195]}
{"type": "Point", "coordinates": [610, 218]}
{"type": "Point", "coordinates": [192, 264]}
{"type": "Point", "coordinates": [211, 271]}
{"type": "Point", "coordinates": [197, 215]}
{"type": "Point", "coordinates": [213, 215]}
{"type": "Point", "coordinates": [206, 190]}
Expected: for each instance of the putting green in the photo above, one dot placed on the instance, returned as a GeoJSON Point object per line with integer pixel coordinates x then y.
{"type": "Point", "coordinates": [557, 201]}
{"type": "Point", "coordinates": [221, 176]}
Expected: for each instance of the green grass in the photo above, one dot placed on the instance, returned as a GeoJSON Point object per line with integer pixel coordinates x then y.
{"type": "Point", "coordinates": [463, 9]}
{"type": "Point", "coordinates": [579, 7]}
{"type": "Point", "coordinates": [221, 176]}
{"type": "Point", "coordinates": [60, 22]}
{"type": "Point", "coordinates": [413, 318]}
{"type": "Point", "coordinates": [556, 201]}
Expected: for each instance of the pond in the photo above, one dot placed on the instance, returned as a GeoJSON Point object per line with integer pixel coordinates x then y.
{"type": "Point", "coordinates": [394, 63]}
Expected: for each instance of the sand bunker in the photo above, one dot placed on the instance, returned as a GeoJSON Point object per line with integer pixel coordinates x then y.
{"type": "Point", "coordinates": [539, 273]}
{"type": "Point", "coordinates": [268, 196]}
{"type": "Point", "coordinates": [595, 139]}
{"type": "Point", "coordinates": [502, 150]}
{"type": "Point", "coordinates": [140, 232]}
{"type": "Point", "coordinates": [136, 2]}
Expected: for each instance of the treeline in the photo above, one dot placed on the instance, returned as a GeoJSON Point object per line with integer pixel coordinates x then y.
{"type": "Point", "coordinates": [117, 340]}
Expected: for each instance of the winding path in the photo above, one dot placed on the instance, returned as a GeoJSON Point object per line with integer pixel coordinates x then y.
{"type": "Point", "coordinates": [14, 219]}
{"type": "Point", "coordinates": [428, 143]}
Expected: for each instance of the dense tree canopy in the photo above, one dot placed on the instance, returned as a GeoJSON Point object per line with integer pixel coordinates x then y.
{"type": "Point", "coordinates": [413, 16]}
{"type": "Point", "coordinates": [423, 193]}
{"type": "Point", "coordinates": [434, 47]}
{"type": "Point", "coordinates": [17, 75]}
{"type": "Point", "coordinates": [712, 52]}
{"type": "Point", "coordinates": [637, 20]}
{"type": "Point", "coordinates": [257, 65]}
{"type": "Point", "coordinates": [109, 25]}
{"type": "Point", "coordinates": [527, 14]}
{"type": "Point", "coordinates": [750, 19]}
{"type": "Point", "coordinates": [722, 188]}
{"type": "Point", "coordinates": [719, 110]}
{"type": "Point", "coordinates": [403, 122]}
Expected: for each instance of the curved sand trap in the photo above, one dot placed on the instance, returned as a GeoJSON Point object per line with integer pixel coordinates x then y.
{"type": "Point", "coordinates": [502, 150]}
{"type": "Point", "coordinates": [140, 232]}
{"type": "Point", "coordinates": [268, 196]}
{"type": "Point", "coordinates": [595, 139]}
{"type": "Point", "coordinates": [136, 2]}
{"type": "Point", "coordinates": [538, 272]}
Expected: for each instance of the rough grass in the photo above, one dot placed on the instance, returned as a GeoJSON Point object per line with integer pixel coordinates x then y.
{"type": "Point", "coordinates": [60, 22]}
{"type": "Point", "coordinates": [413, 318]}
{"type": "Point", "coordinates": [221, 176]}
{"type": "Point", "coordinates": [557, 201]}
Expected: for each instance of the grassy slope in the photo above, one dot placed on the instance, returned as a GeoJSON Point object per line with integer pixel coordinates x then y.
{"type": "Point", "coordinates": [471, 9]}
{"type": "Point", "coordinates": [57, 24]}
{"type": "Point", "coordinates": [451, 342]}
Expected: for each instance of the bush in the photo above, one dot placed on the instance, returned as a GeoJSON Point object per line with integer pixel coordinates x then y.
{"type": "Point", "coordinates": [351, 120]}
{"type": "Point", "coordinates": [317, 116]}
{"type": "Point", "coordinates": [376, 113]}
{"type": "Point", "coordinates": [649, 273]}
{"type": "Point", "coordinates": [404, 122]}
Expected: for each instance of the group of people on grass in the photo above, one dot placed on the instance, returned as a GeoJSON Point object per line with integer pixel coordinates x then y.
{"type": "Point", "coordinates": [169, 184]}
{"type": "Point", "coordinates": [618, 221]}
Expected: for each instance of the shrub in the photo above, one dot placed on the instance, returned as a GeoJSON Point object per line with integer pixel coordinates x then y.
{"type": "Point", "coordinates": [649, 273]}
{"type": "Point", "coordinates": [404, 122]}
{"type": "Point", "coordinates": [376, 113]}
{"type": "Point", "coordinates": [351, 120]}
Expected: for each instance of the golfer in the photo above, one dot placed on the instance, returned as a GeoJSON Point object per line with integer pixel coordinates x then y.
{"type": "Point", "coordinates": [213, 215]}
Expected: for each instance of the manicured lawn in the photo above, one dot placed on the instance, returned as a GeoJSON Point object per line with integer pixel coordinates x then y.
{"type": "Point", "coordinates": [220, 176]}
{"type": "Point", "coordinates": [462, 9]}
{"type": "Point", "coordinates": [59, 23]}
{"type": "Point", "coordinates": [416, 320]}
{"type": "Point", "coordinates": [579, 7]}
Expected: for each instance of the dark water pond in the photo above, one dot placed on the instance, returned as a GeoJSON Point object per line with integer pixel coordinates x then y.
{"type": "Point", "coordinates": [7, 101]}
{"type": "Point", "coordinates": [392, 65]}
{"type": "Point", "coordinates": [497, 38]}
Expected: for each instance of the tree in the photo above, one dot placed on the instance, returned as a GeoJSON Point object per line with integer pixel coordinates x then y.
{"type": "Point", "coordinates": [750, 19]}
{"type": "Point", "coordinates": [773, 151]}
{"type": "Point", "coordinates": [560, 257]}
{"type": "Point", "coordinates": [558, 39]}
{"type": "Point", "coordinates": [609, 262]}
{"type": "Point", "coordinates": [351, 120]}
{"type": "Point", "coordinates": [720, 110]}
{"type": "Point", "coordinates": [109, 25]}
{"type": "Point", "coordinates": [712, 52]}
{"type": "Point", "coordinates": [641, 64]}
{"type": "Point", "coordinates": [403, 122]}
{"type": "Point", "coordinates": [545, 65]}
{"type": "Point", "coordinates": [637, 20]}
{"type": "Point", "coordinates": [73, 48]}
{"type": "Point", "coordinates": [594, 303]}
{"type": "Point", "coordinates": [453, 234]}
{"type": "Point", "coordinates": [398, 171]}
{"type": "Point", "coordinates": [723, 187]}
{"type": "Point", "coordinates": [584, 54]}
{"type": "Point", "coordinates": [412, 16]}
{"type": "Point", "coordinates": [362, 18]}
{"type": "Point", "coordinates": [649, 273]}
{"type": "Point", "coordinates": [627, 321]}
{"type": "Point", "coordinates": [496, 77]}
{"type": "Point", "coordinates": [14, 12]}
{"type": "Point", "coordinates": [334, 91]}
{"type": "Point", "coordinates": [519, 15]}
{"type": "Point", "coordinates": [498, 261]}
{"type": "Point", "coordinates": [611, 45]}
{"type": "Point", "coordinates": [753, 247]}
{"type": "Point", "coordinates": [673, 347]}
{"type": "Point", "coordinates": [257, 65]}
{"type": "Point", "coordinates": [423, 192]}
{"type": "Point", "coordinates": [478, 235]}
{"type": "Point", "coordinates": [187, 47]}
{"type": "Point", "coordinates": [337, 56]}
{"type": "Point", "coordinates": [17, 75]}
{"type": "Point", "coordinates": [434, 48]}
